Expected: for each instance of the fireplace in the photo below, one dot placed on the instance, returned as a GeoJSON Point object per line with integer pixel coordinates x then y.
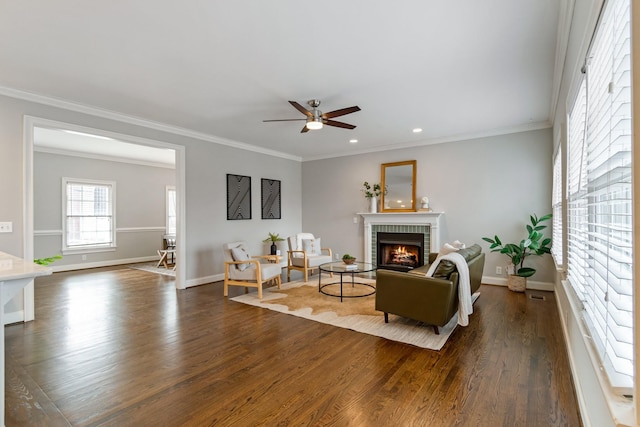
{"type": "Point", "coordinates": [400, 251]}
{"type": "Point", "coordinates": [428, 224]}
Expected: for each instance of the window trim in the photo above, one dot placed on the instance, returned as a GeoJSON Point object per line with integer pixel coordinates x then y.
{"type": "Point", "coordinates": [557, 227]}
{"type": "Point", "coordinates": [109, 247]}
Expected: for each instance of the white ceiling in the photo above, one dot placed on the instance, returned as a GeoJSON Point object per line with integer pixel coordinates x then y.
{"type": "Point", "coordinates": [97, 146]}
{"type": "Point", "coordinates": [453, 68]}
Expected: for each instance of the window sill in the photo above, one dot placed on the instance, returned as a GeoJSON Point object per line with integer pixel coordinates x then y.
{"type": "Point", "coordinates": [620, 408]}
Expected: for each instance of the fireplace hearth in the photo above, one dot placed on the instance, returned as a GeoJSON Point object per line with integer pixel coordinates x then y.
{"type": "Point", "coordinates": [400, 251]}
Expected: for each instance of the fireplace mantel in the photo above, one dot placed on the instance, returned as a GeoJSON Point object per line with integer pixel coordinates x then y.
{"type": "Point", "coordinates": [430, 219]}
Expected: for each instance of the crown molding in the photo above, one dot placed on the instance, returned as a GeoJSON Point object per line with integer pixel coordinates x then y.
{"type": "Point", "coordinates": [454, 138]}
{"type": "Point", "coordinates": [137, 121]}
{"type": "Point", "coordinates": [565, 21]}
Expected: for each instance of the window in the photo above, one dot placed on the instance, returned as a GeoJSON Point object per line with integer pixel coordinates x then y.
{"type": "Point", "coordinates": [88, 212]}
{"type": "Point", "coordinates": [170, 221]}
{"type": "Point", "coordinates": [599, 201]}
{"type": "Point", "coordinates": [556, 202]}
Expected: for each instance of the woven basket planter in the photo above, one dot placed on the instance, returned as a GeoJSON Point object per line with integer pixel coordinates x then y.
{"type": "Point", "coordinates": [516, 283]}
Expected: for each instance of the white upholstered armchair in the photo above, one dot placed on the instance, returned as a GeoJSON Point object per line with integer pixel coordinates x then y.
{"type": "Point", "coordinates": [242, 270]}
{"type": "Point", "coordinates": [305, 254]}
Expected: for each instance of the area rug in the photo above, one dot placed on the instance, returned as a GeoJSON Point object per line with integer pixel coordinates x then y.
{"type": "Point", "coordinates": [151, 268]}
{"type": "Point", "coordinates": [358, 314]}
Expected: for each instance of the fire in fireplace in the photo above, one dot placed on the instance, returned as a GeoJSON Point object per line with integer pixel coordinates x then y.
{"type": "Point", "coordinates": [400, 251]}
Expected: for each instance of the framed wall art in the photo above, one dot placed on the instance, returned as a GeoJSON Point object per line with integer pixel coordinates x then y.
{"type": "Point", "coordinates": [270, 199]}
{"type": "Point", "coordinates": [238, 197]}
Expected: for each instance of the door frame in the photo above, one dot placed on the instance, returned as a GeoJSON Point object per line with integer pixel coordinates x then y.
{"type": "Point", "coordinates": [31, 122]}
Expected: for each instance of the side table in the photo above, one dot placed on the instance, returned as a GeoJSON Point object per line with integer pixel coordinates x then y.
{"type": "Point", "coordinates": [164, 254]}
{"type": "Point", "coordinates": [273, 259]}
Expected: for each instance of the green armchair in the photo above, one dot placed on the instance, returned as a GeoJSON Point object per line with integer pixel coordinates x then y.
{"type": "Point", "coordinates": [432, 300]}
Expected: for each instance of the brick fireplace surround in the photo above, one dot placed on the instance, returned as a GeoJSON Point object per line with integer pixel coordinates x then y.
{"type": "Point", "coordinates": [427, 223]}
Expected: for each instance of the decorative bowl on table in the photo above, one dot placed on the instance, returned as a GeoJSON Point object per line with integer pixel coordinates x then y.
{"type": "Point", "coordinates": [348, 260]}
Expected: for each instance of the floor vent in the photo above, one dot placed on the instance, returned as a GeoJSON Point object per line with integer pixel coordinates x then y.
{"type": "Point", "coordinates": [538, 297]}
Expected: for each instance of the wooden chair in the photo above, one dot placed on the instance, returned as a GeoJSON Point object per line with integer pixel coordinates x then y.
{"type": "Point", "coordinates": [305, 260]}
{"type": "Point", "coordinates": [242, 270]}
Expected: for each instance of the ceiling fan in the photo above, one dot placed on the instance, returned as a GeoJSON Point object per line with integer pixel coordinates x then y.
{"type": "Point", "coordinates": [316, 118]}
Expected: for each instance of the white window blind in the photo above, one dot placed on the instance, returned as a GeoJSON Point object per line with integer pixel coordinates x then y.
{"type": "Point", "coordinates": [599, 194]}
{"type": "Point", "coordinates": [88, 214]}
{"type": "Point", "coordinates": [556, 202]}
{"type": "Point", "coordinates": [170, 220]}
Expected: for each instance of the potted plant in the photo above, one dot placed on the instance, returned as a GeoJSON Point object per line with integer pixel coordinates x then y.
{"type": "Point", "coordinates": [273, 238]}
{"type": "Point", "coordinates": [534, 244]}
{"type": "Point", "coordinates": [372, 192]}
{"type": "Point", "coordinates": [348, 259]}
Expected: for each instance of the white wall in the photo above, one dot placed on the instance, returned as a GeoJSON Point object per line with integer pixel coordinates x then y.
{"type": "Point", "coordinates": [484, 186]}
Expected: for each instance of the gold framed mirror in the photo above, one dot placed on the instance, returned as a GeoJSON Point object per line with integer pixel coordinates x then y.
{"type": "Point", "coordinates": [399, 181]}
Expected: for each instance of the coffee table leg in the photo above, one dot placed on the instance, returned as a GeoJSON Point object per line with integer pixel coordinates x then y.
{"type": "Point", "coordinates": [341, 287]}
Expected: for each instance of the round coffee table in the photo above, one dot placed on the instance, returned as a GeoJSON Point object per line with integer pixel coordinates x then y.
{"type": "Point", "coordinates": [342, 269]}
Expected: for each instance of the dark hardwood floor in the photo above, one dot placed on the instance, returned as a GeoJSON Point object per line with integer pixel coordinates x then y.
{"type": "Point", "coordinates": [122, 347]}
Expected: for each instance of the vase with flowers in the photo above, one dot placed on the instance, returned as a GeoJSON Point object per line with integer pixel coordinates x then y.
{"type": "Point", "coordinates": [372, 192]}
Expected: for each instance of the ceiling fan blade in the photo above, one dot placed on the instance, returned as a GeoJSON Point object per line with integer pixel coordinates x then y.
{"type": "Point", "coordinates": [341, 112]}
{"type": "Point", "coordinates": [283, 120]}
{"type": "Point", "coordinates": [301, 109]}
{"type": "Point", "coordinates": [338, 124]}
{"type": "Point", "coordinates": [304, 129]}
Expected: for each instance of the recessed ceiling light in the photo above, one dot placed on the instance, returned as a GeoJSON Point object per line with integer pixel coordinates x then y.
{"type": "Point", "coordinates": [353, 141]}
{"type": "Point", "coordinates": [417, 130]}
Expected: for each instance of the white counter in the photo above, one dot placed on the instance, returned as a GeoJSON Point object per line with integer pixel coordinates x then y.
{"type": "Point", "coordinates": [15, 274]}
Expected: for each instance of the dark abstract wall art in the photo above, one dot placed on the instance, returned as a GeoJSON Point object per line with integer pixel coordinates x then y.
{"type": "Point", "coordinates": [238, 197]}
{"type": "Point", "coordinates": [270, 199]}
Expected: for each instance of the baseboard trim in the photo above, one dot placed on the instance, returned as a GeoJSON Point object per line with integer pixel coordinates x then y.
{"type": "Point", "coordinates": [204, 280]}
{"type": "Point", "coordinates": [531, 284]}
{"type": "Point", "coordinates": [96, 264]}
{"type": "Point", "coordinates": [86, 265]}
{"type": "Point", "coordinates": [13, 317]}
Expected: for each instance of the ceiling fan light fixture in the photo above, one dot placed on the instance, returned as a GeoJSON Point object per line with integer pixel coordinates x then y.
{"type": "Point", "coordinates": [314, 125]}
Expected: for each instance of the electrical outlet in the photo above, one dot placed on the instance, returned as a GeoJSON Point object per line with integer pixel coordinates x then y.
{"type": "Point", "coordinates": [498, 270]}
{"type": "Point", "coordinates": [6, 227]}
{"type": "Point", "coordinates": [84, 257]}
{"type": "Point", "coordinates": [336, 255]}
{"type": "Point", "coordinates": [355, 219]}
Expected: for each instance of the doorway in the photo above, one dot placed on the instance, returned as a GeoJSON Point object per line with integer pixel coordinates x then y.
{"type": "Point", "coordinates": [77, 137]}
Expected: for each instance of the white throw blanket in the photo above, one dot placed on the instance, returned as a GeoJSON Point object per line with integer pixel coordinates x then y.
{"type": "Point", "coordinates": [465, 305]}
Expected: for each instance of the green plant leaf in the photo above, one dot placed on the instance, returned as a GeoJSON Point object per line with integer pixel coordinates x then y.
{"type": "Point", "coordinates": [526, 272]}
{"type": "Point", "coordinates": [47, 261]}
{"type": "Point", "coordinates": [546, 217]}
